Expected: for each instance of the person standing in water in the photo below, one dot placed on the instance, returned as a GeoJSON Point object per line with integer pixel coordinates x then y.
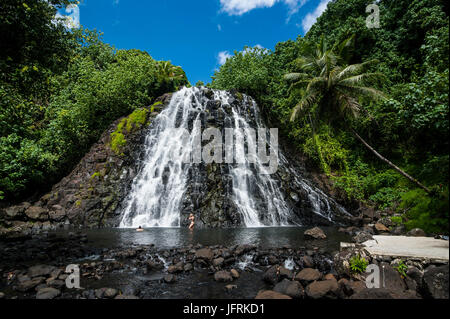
{"type": "Point", "coordinates": [192, 219]}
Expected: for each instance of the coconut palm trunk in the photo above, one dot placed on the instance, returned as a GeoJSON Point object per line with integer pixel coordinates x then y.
{"type": "Point", "coordinates": [412, 179]}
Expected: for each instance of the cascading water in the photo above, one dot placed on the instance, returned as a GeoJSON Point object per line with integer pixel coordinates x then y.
{"type": "Point", "coordinates": [166, 186]}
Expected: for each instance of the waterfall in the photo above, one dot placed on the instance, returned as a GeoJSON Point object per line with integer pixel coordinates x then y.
{"type": "Point", "coordinates": [160, 190]}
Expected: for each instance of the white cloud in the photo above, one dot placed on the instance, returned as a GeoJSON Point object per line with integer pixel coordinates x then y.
{"type": "Point", "coordinates": [223, 56]}
{"type": "Point", "coordinates": [219, 27]}
{"type": "Point", "coordinates": [311, 18]}
{"type": "Point", "coordinates": [239, 7]}
{"type": "Point", "coordinates": [71, 20]}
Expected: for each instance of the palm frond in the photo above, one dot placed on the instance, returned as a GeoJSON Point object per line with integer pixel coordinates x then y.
{"type": "Point", "coordinates": [363, 91]}
{"type": "Point", "coordinates": [292, 77]}
{"type": "Point", "coordinates": [361, 78]}
{"type": "Point", "coordinates": [354, 69]}
{"type": "Point", "coordinates": [305, 103]}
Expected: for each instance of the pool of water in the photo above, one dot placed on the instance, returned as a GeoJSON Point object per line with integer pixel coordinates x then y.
{"type": "Point", "coordinates": [163, 238]}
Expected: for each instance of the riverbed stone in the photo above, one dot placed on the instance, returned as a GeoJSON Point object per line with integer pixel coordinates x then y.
{"type": "Point", "coordinates": [381, 228]}
{"type": "Point", "coordinates": [218, 261]}
{"type": "Point", "coordinates": [308, 275]}
{"type": "Point", "coordinates": [178, 267]}
{"type": "Point", "coordinates": [126, 297]}
{"type": "Point", "coordinates": [314, 233]}
{"type": "Point", "coordinates": [320, 289]}
{"type": "Point", "coordinates": [170, 278]}
{"type": "Point", "coordinates": [110, 293]}
{"type": "Point", "coordinates": [230, 287]}
{"type": "Point", "coordinates": [223, 276]}
{"type": "Point", "coordinates": [307, 262]}
{"type": "Point", "coordinates": [435, 281]}
{"type": "Point", "coordinates": [290, 288]}
{"type": "Point", "coordinates": [188, 267]}
{"type": "Point", "coordinates": [28, 285]}
{"type": "Point", "coordinates": [37, 213]}
{"type": "Point", "coordinates": [416, 232]}
{"type": "Point", "coordinates": [48, 293]}
{"type": "Point", "coordinates": [270, 294]}
{"type": "Point", "coordinates": [40, 270]}
{"type": "Point", "coordinates": [234, 273]}
{"type": "Point", "coordinates": [204, 253]}
{"type": "Point", "coordinates": [362, 237]}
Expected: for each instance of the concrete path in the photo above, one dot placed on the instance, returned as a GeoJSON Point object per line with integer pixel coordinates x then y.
{"type": "Point", "coordinates": [411, 247]}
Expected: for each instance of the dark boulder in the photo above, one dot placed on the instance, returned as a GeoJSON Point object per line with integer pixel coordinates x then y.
{"type": "Point", "coordinates": [314, 233]}
{"type": "Point", "coordinates": [290, 288]}
{"type": "Point", "coordinates": [435, 281]}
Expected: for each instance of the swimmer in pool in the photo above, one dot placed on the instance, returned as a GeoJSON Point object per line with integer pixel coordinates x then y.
{"type": "Point", "coordinates": [139, 229]}
{"type": "Point", "coordinates": [192, 219]}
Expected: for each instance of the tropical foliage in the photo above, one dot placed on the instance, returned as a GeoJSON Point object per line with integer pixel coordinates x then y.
{"type": "Point", "coordinates": [59, 90]}
{"type": "Point", "coordinates": [330, 82]}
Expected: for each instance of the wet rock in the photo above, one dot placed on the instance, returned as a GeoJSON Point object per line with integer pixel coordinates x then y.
{"type": "Point", "coordinates": [329, 277]}
{"type": "Point", "coordinates": [272, 260]}
{"type": "Point", "coordinates": [37, 213]}
{"type": "Point", "coordinates": [362, 237]}
{"type": "Point", "coordinates": [55, 273]}
{"type": "Point", "coordinates": [391, 278]}
{"type": "Point", "coordinates": [126, 297]}
{"type": "Point", "coordinates": [230, 287]}
{"type": "Point", "coordinates": [320, 289]}
{"type": "Point", "coordinates": [416, 232]}
{"type": "Point", "coordinates": [308, 262]}
{"type": "Point", "coordinates": [290, 288]}
{"type": "Point", "coordinates": [383, 293]}
{"type": "Point", "coordinates": [218, 261]}
{"type": "Point", "coordinates": [40, 270]}
{"type": "Point", "coordinates": [204, 253]}
{"type": "Point", "coordinates": [188, 267]}
{"type": "Point", "coordinates": [223, 276]}
{"type": "Point", "coordinates": [242, 249]}
{"type": "Point", "coordinates": [234, 273]}
{"type": "Point", "coordinates": [275, 273]}
{"type": "Point", "coordinates": [48, 293]}
{"type": "Point", "coordinates": [55, 283]}
{"type": "Point", "coordinates": [435, 281]}
{"type": "Point", "coordinates": [380, 228]}
{"type": "Point", "coordinates": [398, 230]}
{"type": "Point", "coordinates": [28, 285]}
{"type": "Point", "coordinates": [170, 278]}
{"type": "Point", "coordinates": [15, 212]}
{"type": "Point", "coordinates": [415, 273]}
{"type": "Point", "coordinates": [110, 293]}
{"type": "Point", "coordinates": [179, 267]}
{"type": "Point", "coordinates": [314, 233]}
{"type": "Point", "coordinates": [270, 294]}
{"type": "Point", "coordinates": [2, 295]}
{"type": "Point", "coordinates": [351, 287]}
{"type": "Point", "coordinates": [308, 275]}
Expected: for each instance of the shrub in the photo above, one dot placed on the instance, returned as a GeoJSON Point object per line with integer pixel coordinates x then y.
{"type": "Point", "coordinates": [358, 264]}
{"type": "Point", "coordinates": [425, 211]}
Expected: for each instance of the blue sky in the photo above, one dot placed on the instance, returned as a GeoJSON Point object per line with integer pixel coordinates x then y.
{"type": "Point", "coordinates": [198, 35]}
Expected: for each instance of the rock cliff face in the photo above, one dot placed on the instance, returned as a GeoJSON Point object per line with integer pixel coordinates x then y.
{"type": "Point", "coordinates": [90, 194]}
{"type": "Point", "coordinates": [95, 193]}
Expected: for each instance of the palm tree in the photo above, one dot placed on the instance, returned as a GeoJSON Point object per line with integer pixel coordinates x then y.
{"type": "Point", "coordinates": [169, 71]}
{"type": "Point", "coordinates": [332, 88]}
